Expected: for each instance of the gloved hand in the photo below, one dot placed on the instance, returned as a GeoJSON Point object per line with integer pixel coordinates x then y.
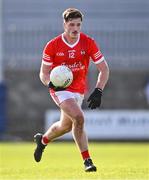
{"type": "Point", "coordinates": [95, 99]}
{"type": "Point", "coordinates": [51, 86]}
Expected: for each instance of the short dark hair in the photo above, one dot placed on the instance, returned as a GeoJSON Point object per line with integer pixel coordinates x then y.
{"type": "Point", "coordinates": [72, 13]}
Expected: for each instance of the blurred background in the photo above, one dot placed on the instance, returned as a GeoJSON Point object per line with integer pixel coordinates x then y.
{"type": "Point", "coordinates": [122, 30]}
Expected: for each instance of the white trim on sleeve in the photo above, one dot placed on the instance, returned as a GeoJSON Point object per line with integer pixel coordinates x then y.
{"type": "Point", "coordinates": [47, 63]}
{"type": "Point", "coordinates": [100, 60]}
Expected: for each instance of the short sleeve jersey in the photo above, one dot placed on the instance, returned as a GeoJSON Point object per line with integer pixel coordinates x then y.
{"type": "Point", "coordinates": [76, 56]}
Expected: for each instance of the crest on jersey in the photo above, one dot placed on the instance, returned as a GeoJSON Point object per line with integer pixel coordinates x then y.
{"type": "Point", "coordinates": [82, 52]}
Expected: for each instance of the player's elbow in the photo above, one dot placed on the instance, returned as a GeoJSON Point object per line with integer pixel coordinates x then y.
{"type": "Point", "coordinates": [106, 71]}
{"type": "Point", "coordinates": [42, 78]}
{"type": "Point", "coordinates": [104, 68]}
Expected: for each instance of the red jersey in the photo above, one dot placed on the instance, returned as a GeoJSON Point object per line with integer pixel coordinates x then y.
{"type": "Point", "coordinates": [75, 56]}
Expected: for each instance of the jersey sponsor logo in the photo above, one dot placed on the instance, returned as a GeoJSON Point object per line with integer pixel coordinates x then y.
{"type": "Point", "coordinates": [75, 66]}
{"type": "Point", "coordinates": [59, 54]}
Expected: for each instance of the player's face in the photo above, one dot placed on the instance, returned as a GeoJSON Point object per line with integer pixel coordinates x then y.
{"type": "Point", "coordinates": [72, 28]}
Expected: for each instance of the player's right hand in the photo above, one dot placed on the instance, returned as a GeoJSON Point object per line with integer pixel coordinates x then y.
{"type": "Point", "coordinates": [51, 86]}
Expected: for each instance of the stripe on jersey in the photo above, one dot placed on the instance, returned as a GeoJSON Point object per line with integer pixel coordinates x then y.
{"type": "Point", "coordinates": [46, 57]}
{"type": "Point", "coordinates": [100, 60]}
{"type": "Point", "coordinates": [97, 55]}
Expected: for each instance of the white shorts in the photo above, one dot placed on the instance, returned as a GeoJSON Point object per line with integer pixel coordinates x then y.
{"type": "Point", "coordinates": [60, 96]}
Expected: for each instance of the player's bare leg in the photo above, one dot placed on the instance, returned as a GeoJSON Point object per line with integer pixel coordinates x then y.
{"type": "Point", "coordinates": [73, 110]}
{"type": "Point", "coordinates": [71, 119]}
{"type": "Point", "coordinates": [57, 129]}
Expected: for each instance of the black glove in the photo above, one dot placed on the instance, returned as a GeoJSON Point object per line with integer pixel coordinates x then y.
{"type": "Point", "coordinates": [95, 99]}
{"type": "Point", "coordinates": [51, 86]}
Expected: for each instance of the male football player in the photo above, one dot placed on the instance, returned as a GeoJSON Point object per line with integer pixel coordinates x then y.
{"type": "Point", "coordinates": [73, 49]}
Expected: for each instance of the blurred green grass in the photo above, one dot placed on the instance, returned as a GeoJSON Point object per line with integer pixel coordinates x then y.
{"type": "Point", "coordinates": [63, 161]}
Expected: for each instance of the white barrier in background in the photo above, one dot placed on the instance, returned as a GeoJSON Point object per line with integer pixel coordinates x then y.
{"type": "Point", "coordinates": [110, 124]}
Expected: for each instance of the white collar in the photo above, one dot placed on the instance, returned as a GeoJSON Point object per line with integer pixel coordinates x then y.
{"type": "Point", "coordinates": [70, 45]}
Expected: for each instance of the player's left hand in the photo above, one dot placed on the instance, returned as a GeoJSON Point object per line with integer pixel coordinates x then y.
{"type": "Point", "coordinates": [95, 99]}
{"type": "Point", "coordinates": [51, 86]}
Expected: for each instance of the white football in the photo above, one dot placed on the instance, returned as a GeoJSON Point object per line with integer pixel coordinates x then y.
{"type": "Point", "coordinates": [61, 76]}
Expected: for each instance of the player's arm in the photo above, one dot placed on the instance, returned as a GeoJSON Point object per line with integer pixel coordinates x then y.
{"type": "Point", "coordinates": [101, 64]}
{"type": "Point", "coordinates": [44, 74]}
{"type": "Point", "coordinates": [46, 64]}
{"type": "Point", "coordinates": [95, 98]}
{"type": "Point", "coordinates": [103, 74]}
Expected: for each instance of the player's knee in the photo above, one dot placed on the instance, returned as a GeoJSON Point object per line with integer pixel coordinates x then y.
{"type": "Point", "coordinates": [79, 119]}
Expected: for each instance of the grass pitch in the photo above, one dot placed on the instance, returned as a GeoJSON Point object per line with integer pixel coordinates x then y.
{"type": "Point", "coordinates": [63, 161]}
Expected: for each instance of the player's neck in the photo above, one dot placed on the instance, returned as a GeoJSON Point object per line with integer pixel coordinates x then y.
{"type": "Point", "coordinates": [70, 40]}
